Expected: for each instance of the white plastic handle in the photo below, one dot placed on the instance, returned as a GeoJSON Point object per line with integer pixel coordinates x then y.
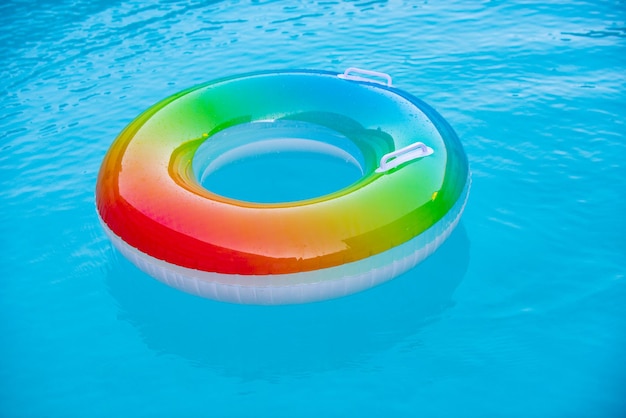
{"type": "Point", "coordinates": [408, 153]}
{"type": "Point", "coordinates": [352, 74]}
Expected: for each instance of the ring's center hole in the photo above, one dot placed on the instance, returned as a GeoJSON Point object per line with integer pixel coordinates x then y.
{"type": "Point", "coordinates": [279, 161]}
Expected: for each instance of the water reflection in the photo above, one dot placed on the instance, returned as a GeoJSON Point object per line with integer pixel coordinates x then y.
{"type": "Point", "coordinates": [265, 342]}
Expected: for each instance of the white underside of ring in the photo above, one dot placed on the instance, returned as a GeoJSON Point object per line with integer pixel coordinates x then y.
{"type": "Point", "coordinates": [308, 286]}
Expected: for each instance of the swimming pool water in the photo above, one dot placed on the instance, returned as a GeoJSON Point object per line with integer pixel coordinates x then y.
{"type": "Point", "coordinates": [520, 313]}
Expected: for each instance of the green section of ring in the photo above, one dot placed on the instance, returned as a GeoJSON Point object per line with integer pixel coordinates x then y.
{"type": "Point", "coordinates": [378, 119]}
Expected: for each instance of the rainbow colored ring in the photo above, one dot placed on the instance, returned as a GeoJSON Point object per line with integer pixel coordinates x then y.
{"type": "Point", "coordinates": [413, 190]}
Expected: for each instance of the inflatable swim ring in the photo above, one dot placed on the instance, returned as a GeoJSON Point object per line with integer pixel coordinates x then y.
{"type": "Point", "coordinates": [153, 207]}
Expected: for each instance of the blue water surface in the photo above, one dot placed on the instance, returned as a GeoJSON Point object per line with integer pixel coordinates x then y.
{"type": "Point", "coordinates": [521, 313]}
